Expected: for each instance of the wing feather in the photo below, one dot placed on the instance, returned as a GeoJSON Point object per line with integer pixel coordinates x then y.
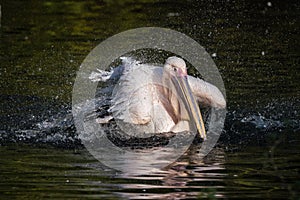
{"type": "Point", "coordinates": [206, 93]}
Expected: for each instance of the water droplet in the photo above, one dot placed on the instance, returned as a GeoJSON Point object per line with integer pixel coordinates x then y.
{"type": "Point", "coordinates": [173, 14]}
{"type": "Point", "coordinates": [262, 53]}
{"type": "Point", "coordinates": [269, 4]}
{"type": "Point", "coordinates": [267, 31]}
{"type": "Point", "coordinates": [214, 55]}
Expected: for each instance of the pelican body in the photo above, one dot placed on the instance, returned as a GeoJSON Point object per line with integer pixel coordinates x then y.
{"type": "Point", "coordinates": [155, 99]}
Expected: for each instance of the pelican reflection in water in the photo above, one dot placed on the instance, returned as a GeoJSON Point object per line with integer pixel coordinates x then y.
{"type": "Point", "coordinates": [161, 99]}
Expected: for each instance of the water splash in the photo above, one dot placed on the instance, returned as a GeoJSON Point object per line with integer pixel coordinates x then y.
{"type": "Point", "coordinates": [241, 126]}
{"type": "Point", "coordinates": [48, 124]}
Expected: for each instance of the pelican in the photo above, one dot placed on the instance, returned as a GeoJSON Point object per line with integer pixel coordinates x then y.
{"type": "Point", "coordinates": [161, 99]}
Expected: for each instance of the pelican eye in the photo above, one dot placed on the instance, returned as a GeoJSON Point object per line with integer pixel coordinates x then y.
{"type": "Point", "coordinates": [174, 68]}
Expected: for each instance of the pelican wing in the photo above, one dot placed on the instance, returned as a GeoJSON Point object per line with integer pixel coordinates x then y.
{"type": "Point", "coordinates": [134, 93]}
{"type": "Point", "coordinates": [206, 93]}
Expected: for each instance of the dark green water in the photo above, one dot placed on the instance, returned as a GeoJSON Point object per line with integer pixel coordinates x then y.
{"type": "Point", "coordinates": [42, 44]}
{"type": "Point", "coordinates": [257, 172]}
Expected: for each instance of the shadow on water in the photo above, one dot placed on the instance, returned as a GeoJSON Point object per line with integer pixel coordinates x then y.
{"type": "Point", "coordinates": [254, 45]}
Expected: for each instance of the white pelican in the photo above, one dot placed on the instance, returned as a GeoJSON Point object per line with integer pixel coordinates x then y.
{"type": "Point", "coordinates": [162, 99]}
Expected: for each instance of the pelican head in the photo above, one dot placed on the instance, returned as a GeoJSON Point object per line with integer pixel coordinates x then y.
{"type": "Point", "coordinates": [175, 66]}
{"type": "Point", "coordinates": [175, 70]}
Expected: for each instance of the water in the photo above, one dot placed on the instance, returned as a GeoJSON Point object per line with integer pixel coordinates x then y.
{"type": "Point", "coordinates": [45, 172]}
{"type": "Point", "coordinates": [255, 46]}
